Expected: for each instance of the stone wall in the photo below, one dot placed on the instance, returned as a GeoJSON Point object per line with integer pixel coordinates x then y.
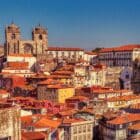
{"type": "Point", "coordinates": [10, 122]}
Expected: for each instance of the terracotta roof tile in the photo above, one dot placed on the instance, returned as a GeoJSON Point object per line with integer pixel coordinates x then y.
{"type": "Point", "coordinates": [18, 65]}
{"type": "Point", "coordinates": [134, 127]}
{"type": "Point", "coordinates": [21, 55]}
{"type": "Point", "coordinates": [33, 136]}
{"type": "Point", "coordinates": [53, 48]}
{"type": "Point", "coordinates": [2, 91]}
{"type": "Point", "coordinates": [58, 86]}
{"type": "Point", "coordinates": [49, 82]}
{"type": "Point", "coordinates": [90, 53]}
{"type": "Point", "coordinates": [125, 118]}
{"type": "Point", "coordinates": [44, 122]}
{"type": "Point", "coordinates": [123, 98]}
{"type": "Point", "coordinates": [72, 120]}
{"type": "Point", "coordinates": [80, 98]}
{"type": "Point", "coordinates": [129, 47]}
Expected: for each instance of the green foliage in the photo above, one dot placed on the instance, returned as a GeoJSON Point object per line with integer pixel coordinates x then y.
{"type": "Point", "coordinates": [96, 50]}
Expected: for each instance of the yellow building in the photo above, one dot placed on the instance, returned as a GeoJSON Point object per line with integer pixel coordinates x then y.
{"type": "Point", "coordinates": [64, 93]}
{"type": "Point", "coordinates": [56, 92]}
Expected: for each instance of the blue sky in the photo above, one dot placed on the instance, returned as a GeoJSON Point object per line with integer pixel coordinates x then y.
{"type": "Point", "coordinates": [78, 23]}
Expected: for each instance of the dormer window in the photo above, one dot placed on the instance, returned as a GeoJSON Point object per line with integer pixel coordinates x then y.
{"type": "Point", "coordinates": [13, 36]}
{"type": "Point", "coordinates": [40, 37]}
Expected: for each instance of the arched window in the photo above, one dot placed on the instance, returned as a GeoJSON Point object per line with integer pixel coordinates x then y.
{"type": "Point", "coordinates": [40, 37]}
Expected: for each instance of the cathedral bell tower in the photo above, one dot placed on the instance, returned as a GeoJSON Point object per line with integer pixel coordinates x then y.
{"type": "Point", "coordinates": [40, 38]}
{"type": "Point", "coordinates": [12, 37]}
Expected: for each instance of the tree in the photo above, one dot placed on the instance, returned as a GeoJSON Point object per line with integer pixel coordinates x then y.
{"type": "Point", "coordinates": [96, 50]}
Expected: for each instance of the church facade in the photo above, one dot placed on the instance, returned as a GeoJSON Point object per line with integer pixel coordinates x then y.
{"type": "Point", "coordinates": [15, 45]}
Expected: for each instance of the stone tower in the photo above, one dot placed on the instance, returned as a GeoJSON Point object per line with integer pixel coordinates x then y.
{"type": "Point", "coordinates": [12, 38]}
{"type": "Point", "coordinates": [40, 38]}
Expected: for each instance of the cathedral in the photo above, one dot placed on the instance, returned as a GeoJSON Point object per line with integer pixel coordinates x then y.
{"type": "Point", "coordinates": [15, 45]}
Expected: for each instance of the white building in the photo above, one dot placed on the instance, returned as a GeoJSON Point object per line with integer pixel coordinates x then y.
{"type": "Point", "coordinates": [97, 75]}
{"type": "Point", "coordinates": [77, 129]}
{"type": "Point", "coordinates": [23, 58]}
{"type": "Point", "coordinates": [20, 64]}
{"type": "Point", "coordinates": [119, 56]}
{"type": "Point", "coordinates": [66, 53]}
{"type": "Point", "coordinates": [89, 56]}
{"type": "Point", "coordinates": [125, 77]}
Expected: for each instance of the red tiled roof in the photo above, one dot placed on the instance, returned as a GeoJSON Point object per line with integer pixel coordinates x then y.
{"type": "Point", "coordinates": [51, 76]}
{"type": "Point", "coordinates": [134, 127]}
{"type": "Point", "coordinates": [21, 55]}
{"type": "Point", "coordinates": [60, 76]}
{"type": "Point", "coordinates": [18, 81]}
{"type": "Point", "coordinates": [49, 82]}
{"type": "Point", "coordinates": [90, 53]}
{"type": "Point", "coordinates": [44, 122]}
{"type": "Point", "coordinates": [58, 86]}
{"type": "Point", "coordinates": [68, 112]}
{"type": "Point", "coordinates": [2, 91]}
{"type": "Point", "coordinates": [33, 136]}
{"type": "Point", "coordinates": [67, 68]}
{"type": "Point", "coordinates": [40, 121]}
{"type": "Point", "coordinates": [72, 120]}
{"type": "Point", "coordinates": [26, 87]}
{"type": "Point", "coordinates": [129, 47]}
{"type": "Point", "coordinates": [18, 65]}
{"type": "Point", "coordinates": [106, 90]}
{"type": "Point", "coordinates": [62, 72]}
{"type": "Point", "coordinates": [125, 118]}
{"type": "Point", "coordinates": [80, 98]}
{"type": "Point", "coordinates": [53, 48]}
{"type": "Point", "coordinates": [123, 98]}
{"type": "Point", "coordinates": [99, 66]}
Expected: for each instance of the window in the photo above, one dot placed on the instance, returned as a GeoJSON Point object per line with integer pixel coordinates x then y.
{"type": "Point", "coordinates": [127, 76]}
{"type": "Point", "coordinates": [13, 36]}
{"type": "Point", "coordinates": [79, 137]}
{"type": "Point", "coordinates": [84, 137]}
{"type": "Point", "coordinates": [121, 126]}
{"type": "Point", "coordinates": [63, 54]}
{"type": "Point", "coordinates": [69, 54]}
{"type": "Point", "coordinates": [75, 130]}
{"type": "Point", "coordinates": [80, 129]}
{"type": "Point", "coordinates": [40, 37]}
{"type": "Point", "coordinates": [56, 53]}
{"type": "Point", "coordinates": [89, 128]}
{"type": "Point", "coordinates": [84, 128]}
{"type": "Point", "coordinates": [133, 132]}
{"type": "Point", "coordinates": [89, 137]}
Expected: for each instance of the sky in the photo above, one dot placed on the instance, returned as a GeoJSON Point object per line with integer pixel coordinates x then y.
{"type": "Point", "coordinates": [75, 23]}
